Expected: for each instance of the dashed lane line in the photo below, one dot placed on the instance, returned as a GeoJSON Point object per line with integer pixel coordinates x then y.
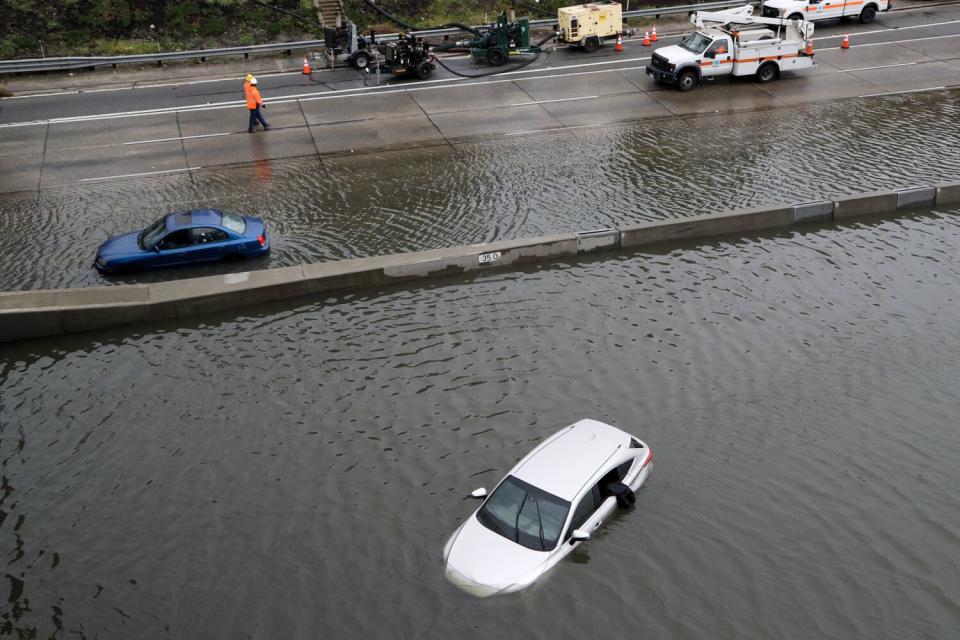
{"type": "Point", "coordinates": [137, 175]}
{"type": "Point", "coordinates": [205, 135]}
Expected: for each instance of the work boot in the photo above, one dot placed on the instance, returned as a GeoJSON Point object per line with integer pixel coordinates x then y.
{"type": "Point", "coordinates": [265, 127]}
{"type": "Point", "coordinates": [249, 130]}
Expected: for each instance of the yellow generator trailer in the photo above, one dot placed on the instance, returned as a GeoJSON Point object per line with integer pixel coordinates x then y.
{"type": "Point", "coordinates": [587, 25]}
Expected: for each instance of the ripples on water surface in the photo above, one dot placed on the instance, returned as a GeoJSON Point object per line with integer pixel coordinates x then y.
{"type": "Point", "coordinates": [293, 473]}
{"type": "Point", "coordinates": [400, 201]}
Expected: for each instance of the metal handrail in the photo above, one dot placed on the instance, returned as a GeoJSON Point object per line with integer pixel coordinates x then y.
{"type": "Point", "coordinates": [82, 62]}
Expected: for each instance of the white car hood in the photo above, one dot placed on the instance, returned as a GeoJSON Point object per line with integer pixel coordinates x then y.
{"type": "Point", "coordinates": [483, 562]}
{"type": "Point", "coordinates": [675, 53]}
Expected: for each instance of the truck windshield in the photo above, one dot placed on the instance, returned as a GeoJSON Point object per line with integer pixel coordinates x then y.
{"type": "Point", "coordinates": [696, 43]}
{"type": "Point", "coordinates": [524, 514]}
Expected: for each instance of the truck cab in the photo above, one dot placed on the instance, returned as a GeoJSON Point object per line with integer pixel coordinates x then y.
{"type": "Point", "coordinates": [815, 10]}
{"type": "Point", "coordinates": [704, 53]}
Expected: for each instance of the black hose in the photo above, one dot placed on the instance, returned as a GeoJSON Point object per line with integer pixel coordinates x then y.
{"type": "Point", "coordinates": [489, 73]}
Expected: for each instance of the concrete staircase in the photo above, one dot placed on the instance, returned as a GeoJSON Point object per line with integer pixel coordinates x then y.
{"type": "Point", "coordinates": [330, 10]}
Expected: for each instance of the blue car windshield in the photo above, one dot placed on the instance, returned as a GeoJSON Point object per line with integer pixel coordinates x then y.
{"type": "Point", "coordinates": [151, 234]}
{"type": "Point", "coordinates": [233, 222]}
{"type": "Point", "coordinates": [525, 514]}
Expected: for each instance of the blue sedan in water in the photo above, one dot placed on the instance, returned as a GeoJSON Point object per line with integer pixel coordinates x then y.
{"type": "Point", "coordinates": [186, 237]}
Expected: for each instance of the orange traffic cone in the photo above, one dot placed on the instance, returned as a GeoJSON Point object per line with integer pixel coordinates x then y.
{"type": "Point", "coordinates": [646, 38]}
{"type": "Point", "coordinates": [846, 42]}
{"type": "Point", "coordinates": [619, 46]}
{"type": "Point", "coordinates": [809, 50]}
{"type": "Point", "coordinates": [653, 35]}
{"type": "Point", "coordinates": [306, 66]}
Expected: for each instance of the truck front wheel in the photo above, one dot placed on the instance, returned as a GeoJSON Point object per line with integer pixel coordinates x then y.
{"type": "Point", "coordinates": [868, 14]}
{"type": "Point", "coordinates": [767, 72]}
{"type": "Point", "coordinates": [687, 80]}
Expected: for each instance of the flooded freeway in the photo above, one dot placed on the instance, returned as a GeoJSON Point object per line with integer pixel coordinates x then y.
{"type": "Point", "coordinates": [293, 472]}
{"type": "Point", "coordinates": [373, 204]}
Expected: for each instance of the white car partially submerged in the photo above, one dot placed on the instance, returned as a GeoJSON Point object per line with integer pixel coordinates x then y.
{"type": "Point", "coordinates": [551, 501]}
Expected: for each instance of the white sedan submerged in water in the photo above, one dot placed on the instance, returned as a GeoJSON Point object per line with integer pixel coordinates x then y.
{"type": "Point", "coordinates": [550, 502]}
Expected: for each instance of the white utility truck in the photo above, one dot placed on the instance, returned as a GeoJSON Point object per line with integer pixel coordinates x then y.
{"type": "Point", "coordinates": [814, 10]}
{"type": "Point", "coordinates": [737, 43]}
{"type": "Point", "coordinates": [587, 25]}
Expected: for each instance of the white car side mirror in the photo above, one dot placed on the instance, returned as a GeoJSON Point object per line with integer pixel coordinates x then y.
{"type": "Point", "coordinates": [579, 535]}
{"type": "Point", "coordinates": [478, 493]}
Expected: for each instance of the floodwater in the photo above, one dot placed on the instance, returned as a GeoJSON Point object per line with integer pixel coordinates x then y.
{"type": "Point", "coordinates": [373, 204]}
{"type": "Point", "coordinates": [293, 471]}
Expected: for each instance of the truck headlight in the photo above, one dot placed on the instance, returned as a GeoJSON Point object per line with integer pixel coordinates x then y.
{"type": "Point", "coordinates": [673, 67]}
{"type": "Point", "coordinates": [101, 262]}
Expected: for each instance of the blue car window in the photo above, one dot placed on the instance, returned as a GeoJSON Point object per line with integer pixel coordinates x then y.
{"type": "Point", "coordinates": [176, 240]}
{"type": "Point", "coordinates": [152, 233]}
{"type": "Point", "coordinates": [206, 235]}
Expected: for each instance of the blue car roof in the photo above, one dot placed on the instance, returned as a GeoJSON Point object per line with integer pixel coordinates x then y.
{"type": "Point", "coordinates": [182, 219]}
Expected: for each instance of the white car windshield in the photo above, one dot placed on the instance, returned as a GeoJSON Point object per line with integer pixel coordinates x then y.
{"type": "Point", "coordinates": [525, 514]}
{"type": "Point", "coordinates": [696, 43]}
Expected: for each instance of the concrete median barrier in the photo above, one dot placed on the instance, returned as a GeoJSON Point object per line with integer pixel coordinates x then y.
{"type": "Point", "coordinates": [865, 205]}
{"type": "Point", "coordinates": [748, 220]}
{"type": "Point", "coordinates": [948, 194]}
{"type": "Point", "coordinates": [819, 211]}
{"type": "Point", "coordinates": [915, 197]}
{"type": "Point", "coordinates": [36, 314]}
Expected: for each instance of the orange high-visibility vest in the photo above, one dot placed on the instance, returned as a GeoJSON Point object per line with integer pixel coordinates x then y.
{"type": "Point", "coordinates": [253, 96]}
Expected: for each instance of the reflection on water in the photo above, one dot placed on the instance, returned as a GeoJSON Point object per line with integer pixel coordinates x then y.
{"type": "Point", "coordinates": [293, 472]}
{"type": "Point", "coordinates": [364, 205]}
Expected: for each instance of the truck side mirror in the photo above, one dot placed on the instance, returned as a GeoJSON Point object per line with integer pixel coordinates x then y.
{"type": "Point", "coordinates": [477, 494]}
{"type": "Point", "coordinates": [710, 54]}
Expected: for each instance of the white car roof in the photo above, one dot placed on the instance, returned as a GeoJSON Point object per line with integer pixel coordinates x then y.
{"type": "Point", "coordinates": [563, 464]}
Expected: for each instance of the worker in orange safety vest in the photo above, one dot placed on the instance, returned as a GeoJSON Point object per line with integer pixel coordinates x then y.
{"type": "Point", "coordinates": [254, 102]}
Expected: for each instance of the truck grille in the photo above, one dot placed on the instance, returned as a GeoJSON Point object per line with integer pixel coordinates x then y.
{"type": "Point", "coordinates": [659, 62]}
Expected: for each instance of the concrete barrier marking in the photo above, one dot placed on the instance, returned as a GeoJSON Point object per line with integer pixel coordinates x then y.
{"type": "Point", "coordinates": [488, 258]}
{"type": "Point", "coordinates": [916, 197]}
{"type": "Point", "coordinates": [236, 278]}
{"type": "Point", "coordinates": [813, 211]}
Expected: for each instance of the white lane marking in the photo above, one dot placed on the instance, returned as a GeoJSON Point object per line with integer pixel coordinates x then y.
{"type": "Point", "coordinates": [560, 128]}
{"type": "Point", "coordinates": [524, 104]}
{"type": "Point", "coordinates": [136, 175]}
{"type": "Point", "coordinates": [361, 91]}
{"type": "Point", "coordinates": [884, 66]}
{"type": "Point", "coordinates": [889, 30]}
{"type": "Point", "coordinates": [205, 135]}
{"type": "Point", "coordinates": [135, 86]}
{"type": "Point", "coordinates": [893, 93]}
{"type": "Point", "coordinates": [880, 44]}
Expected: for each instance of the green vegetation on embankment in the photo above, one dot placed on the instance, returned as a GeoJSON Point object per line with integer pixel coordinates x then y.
{"type": "Point", "coordinates": [35, 28]}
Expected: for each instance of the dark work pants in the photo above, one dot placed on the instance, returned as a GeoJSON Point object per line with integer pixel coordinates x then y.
{"type": "Point", "coordinates": [254, 117]}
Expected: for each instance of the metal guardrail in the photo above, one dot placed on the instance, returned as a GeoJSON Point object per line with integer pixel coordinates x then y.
{"type": "Point", "coordinates": [83, 62]}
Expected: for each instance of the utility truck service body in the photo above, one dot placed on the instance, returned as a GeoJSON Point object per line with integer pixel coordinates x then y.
{"type": "Point", "coordinates": [734, 43]}
{"type": "Point", "coordinates": [587, 25]}
{"type": "Point", "coordinates": [813, 10]}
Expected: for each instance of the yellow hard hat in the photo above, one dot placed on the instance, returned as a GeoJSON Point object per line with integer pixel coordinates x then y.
{"type": "Point", "coordinates": [249, 77]}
